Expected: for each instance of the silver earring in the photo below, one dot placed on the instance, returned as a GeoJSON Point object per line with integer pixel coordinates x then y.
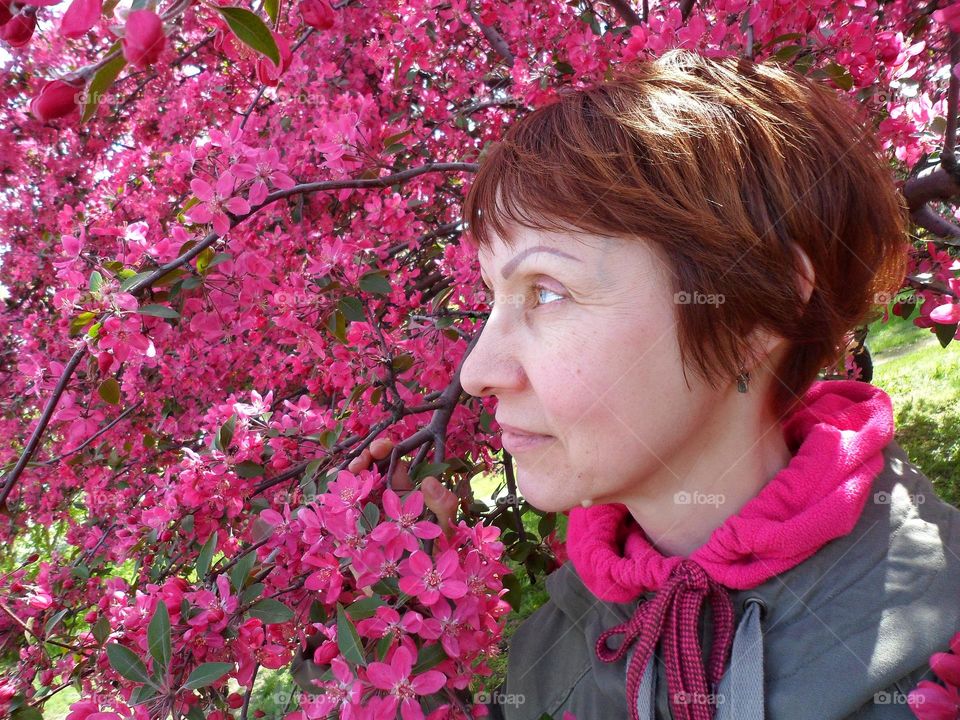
{"type": "Point", "coordinates": [742, 379]}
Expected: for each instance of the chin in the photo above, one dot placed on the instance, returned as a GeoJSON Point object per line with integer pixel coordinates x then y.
{"type": "Point", "coordinates": [540, 498]}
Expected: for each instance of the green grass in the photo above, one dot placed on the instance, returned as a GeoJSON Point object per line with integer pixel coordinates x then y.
{"type": "Point", "coordinates": [924, 386]}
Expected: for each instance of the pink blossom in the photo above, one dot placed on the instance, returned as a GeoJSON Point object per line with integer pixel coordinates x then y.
{"type": "Point", "coordinates": [80, 17]}
{"type": "Point", "coordinates": [216, 202]}
{"type": "Point", "coordinates": [419, 577]}
{"type": "Point", "coordinates": [144, 39]}
{"type": "Point", "coordinates": [405, 526]}
{"type": "Point", "coordinates": [404, 689]}
{"type": "Point", "coordinates": [930, 701]}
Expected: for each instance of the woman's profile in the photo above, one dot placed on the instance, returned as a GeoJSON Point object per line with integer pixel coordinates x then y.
{"type": "Point", "coordinates": [674, 254]}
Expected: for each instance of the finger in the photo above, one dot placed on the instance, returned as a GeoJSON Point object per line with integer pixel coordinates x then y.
{"type": "Point", "coordinates": [380, 448]}
{"type": "Point", "coordinates": [361, 462]}
{"type": "Point", "coordinates": [442, 503]}
{"type": "Point", "coordinates": [401, 476]}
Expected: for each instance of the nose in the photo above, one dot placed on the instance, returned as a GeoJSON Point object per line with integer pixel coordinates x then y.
{"type": "Point", "coordinates": [491, 366]}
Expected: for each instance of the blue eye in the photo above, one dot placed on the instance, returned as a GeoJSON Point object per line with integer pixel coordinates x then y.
{"type": "Point", "coordinates": [541, 288]}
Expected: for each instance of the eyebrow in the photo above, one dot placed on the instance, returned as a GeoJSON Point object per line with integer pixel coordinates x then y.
{"type": "Point", "coordinates": [509, 267]}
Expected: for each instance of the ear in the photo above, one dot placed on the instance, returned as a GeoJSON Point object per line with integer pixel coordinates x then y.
{"type": "Point", "coordinates": [764, 343]}
{"type": "Point", "coordinates": [805, 274]}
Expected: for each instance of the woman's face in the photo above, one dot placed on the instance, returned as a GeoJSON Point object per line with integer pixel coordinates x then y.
{"type": "Point", "coordinates": [581, 346]}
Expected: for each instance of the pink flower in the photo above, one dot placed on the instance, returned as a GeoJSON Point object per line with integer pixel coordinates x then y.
{"type": "Point", "coordinates": [376, 562]}
{"type": "Point", "coordinates": [317, 14]}
{"type": "Point", "coordinates": [80, 17]}
{"type": "Point", "coordinates": [267, 72]}
{"type": "Point", "coordinates": [395, 678]}
{"type": "Point", "coordinates": [947, 667]}
{"type": "Point", "coordinates": [419, 577]}
{"type": "Point", "coordinates": [327, 580]}
{"type": "Point", "coordinates": [949, 16]}
{"type": "Point", "coordinates": [264, 171]}
{"type": "Point", "coordinates": [19, 29]}
{"type": "Point", "coordinates": [144, 39]}
{"type": "Point", "coordinates": [55, 99]}
{"type": "Point", "coordinates": [406, 525]}
{"type": "Point", "coordinates": [216, 202]}
{"type": "Point", "coordinates": [387, 622]}
{"type": "Point", "coordinates": [930, 701]}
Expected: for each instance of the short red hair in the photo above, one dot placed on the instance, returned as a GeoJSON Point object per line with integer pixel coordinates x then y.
{"type": "Point", "coordinates": [725, 165]}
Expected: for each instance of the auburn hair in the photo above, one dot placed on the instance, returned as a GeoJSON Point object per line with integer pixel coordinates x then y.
{"type": "Point", "coordinates": [725, 166]}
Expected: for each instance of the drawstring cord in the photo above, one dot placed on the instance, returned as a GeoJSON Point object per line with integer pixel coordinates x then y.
{"type": "Point", "coordinates": [674, 614]}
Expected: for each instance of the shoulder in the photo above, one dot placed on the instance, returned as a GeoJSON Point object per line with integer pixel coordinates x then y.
{"type": "Point", "coordinates": [870, 607]}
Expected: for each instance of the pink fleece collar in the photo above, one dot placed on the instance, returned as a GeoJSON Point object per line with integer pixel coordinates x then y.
{"type": "Point", "coordinates": [836, 434]}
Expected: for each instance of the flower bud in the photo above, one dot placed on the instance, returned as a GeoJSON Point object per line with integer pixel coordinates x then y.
{"type": "Point", "coordinates": [19, 29]}
{"type": "Point", "coordinates": [317, 14]}
{"type": "Point", "coordinates": [144, 39]}
{"type": "Point", "coordinates": [267, 72]}
{"type": "Point", "coordinates": [55, 99]}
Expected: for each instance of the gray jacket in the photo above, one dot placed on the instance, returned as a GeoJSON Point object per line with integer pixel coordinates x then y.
{"type": "Point", "coordinates": [845, 634]}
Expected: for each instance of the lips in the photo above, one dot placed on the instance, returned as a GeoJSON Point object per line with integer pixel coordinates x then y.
{"type": "Point", "coordinates": [518, 431]}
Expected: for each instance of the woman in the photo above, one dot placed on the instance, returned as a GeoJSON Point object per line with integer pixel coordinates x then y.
{"type": "Point", "coordinates": [674, 254]}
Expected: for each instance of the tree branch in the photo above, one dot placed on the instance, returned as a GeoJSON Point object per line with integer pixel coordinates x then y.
{"type": "Point", "coordinates": [494, 38]}
{"type": "Point", "coordinates": [42, 424]}
{"type": "Point", "coordinates": [626, 13]}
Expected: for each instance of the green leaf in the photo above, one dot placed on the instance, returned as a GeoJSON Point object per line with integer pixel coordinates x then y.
{"type": "Point", "coordinates": [273, 9]}
{"type": "Point", "coordinates": [240, 571]}
{"type": "Point", "coordinates": [428, 656]}
{"type": "Point", "coordinates": [514, 594]}
{"type": "Point", "coordinates": [251, 593]}
{"type": "Point", "coordinates": [101, 629]}
{"type": "Point", "coordinates": [248, 469]}
{"type": "Point", "coordinates": [547, 523]}
{"type": "Point", "coordinates": [839, 75]}
{"type": "Point", "coordinates": [424, 469]}
{"type": "Point", "coordinates": [364, 608]}
{"type": "Point", "coordinates": [126, 663]}
{"type": "Point", "coordinates": [352, 309]}
{"type": "Point", "coordinates": [251, 31]}
{"type": "Point", "coordinates": [219, 258]}
{"type": "Point", "coordinates": [96, 280]}
{"type": "Point", "coordinates": [372, 514]}
{"type": "Point", "coordinates": [158, 635]}
{"type": "Point", "coordinates": [348, 639]}
{"type": "Point", "coordinates": [375, 282]}
{"type": "Point", "coordinates": [207, 674]}
{"type": "Point", "coordinates": [945, 333]}
{"type": "Point", "coordinates": [195, 713]}
{"type": "Point", "coordinates": [158, 311]}
{"type": "Point", "coordinates": [52, 622]}
{"type": "Point", "coordinates": [27, 713]}
{"type": "Point", "coordinates": [96, 90]}
{"type": "Point", "coordinates": [271, 611]}
{"type": "Point", "coordinates": [224, 435]}
{"type": "Point", "coordinates": [133, 280]}
{"type": "Point", "coordinates": [206, 555]}
{"type": "Point", "coordinates": [142, 694]}
{"type": "Point", "coordinates": [109, 390]}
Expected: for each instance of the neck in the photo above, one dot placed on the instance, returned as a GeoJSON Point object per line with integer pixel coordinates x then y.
{"type": "Point", "coordinates": [698, 488]}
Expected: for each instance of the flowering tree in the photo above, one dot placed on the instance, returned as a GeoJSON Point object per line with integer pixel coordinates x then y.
{"type": "Point", "coordinates": [232, 263]}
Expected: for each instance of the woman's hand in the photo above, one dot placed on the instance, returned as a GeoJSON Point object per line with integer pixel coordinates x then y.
{"type": "Point", "coordinates": [438, 499]}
